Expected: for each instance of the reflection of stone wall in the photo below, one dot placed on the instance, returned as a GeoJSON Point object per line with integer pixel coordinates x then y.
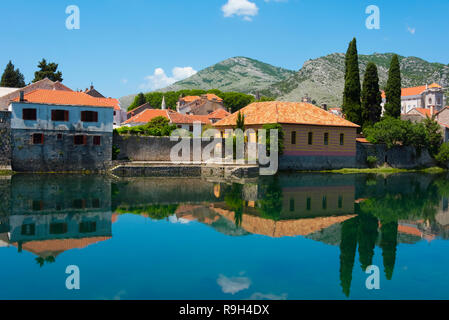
{"type": "Point", "coordinates": [5, 138]}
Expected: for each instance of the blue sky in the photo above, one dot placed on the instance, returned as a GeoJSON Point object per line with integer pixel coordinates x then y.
{"type": "Point", "coordinates": [124, 47]}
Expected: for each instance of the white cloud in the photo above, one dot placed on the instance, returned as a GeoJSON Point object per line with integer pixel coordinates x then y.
{"type": "Point", "coordinates": [159, 79]}
{"type": "Point", "coordinates": [244, 8]}
{"type": "Point", "coordinates": [233, 285]}
{"type": "Point", "coordinates": [124, 81]}
{"type": "Point", "coordinates": [411, 30]}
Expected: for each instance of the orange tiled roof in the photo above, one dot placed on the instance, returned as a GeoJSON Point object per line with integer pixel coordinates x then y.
{"type": "Point", "coordinates": [425, 112]}
{"type": "Point", "coordinates": [211, 96]}
{"type": "Point", "coordinates": [179, 118]}
{"type": "Point", "coordinates": [71, 98]}
{"type": "Point", "coordinates": [190, 98]}
{"type": "Point", "coordinates": [218, 114]}
{"type": "Point", "coordinates": [414, 91]}
{"type": "Point", "coordinates": [286, 113]}
{"type": "Point", "coordinates": [362, 140]}
{"type": "Point", "coordinates": [147, 115]}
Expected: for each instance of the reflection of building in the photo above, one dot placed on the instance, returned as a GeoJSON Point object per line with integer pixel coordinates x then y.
{"type": "Point", "coordinates": [51, 214]}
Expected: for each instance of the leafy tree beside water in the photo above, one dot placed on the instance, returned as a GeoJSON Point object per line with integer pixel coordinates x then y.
{"type": "Point", "coordinates": [352, 90]}
{"type": "Point", "coordinates": [388, 244]}
{"type": "Point", "coordinates": [271, 203]}
{"type": "Point", "coordinates": [367, 237]}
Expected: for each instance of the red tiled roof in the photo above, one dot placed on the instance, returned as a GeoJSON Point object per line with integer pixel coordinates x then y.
{"type": "Point", "coordinates": [211, 96]}
{"type": "Point", "coordinates": [286, 113]}
{"type": "Point", "coordinates": [178, 118]}
{"type": "Point", "coordinates": [190, 98]}
{"type": "Point", "coordinates": [218, 114]}
{"type": "Point", "coordinates": [414, 91]}
{"type": "Point", "coordinates": [72, 98]}
{"type": "Point", "coordinates": [147, 115]}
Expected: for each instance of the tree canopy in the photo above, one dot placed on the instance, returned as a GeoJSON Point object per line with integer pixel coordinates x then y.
{"type": "Point", "coordinates": [371, 96]}
{"type": "Point", "coordinates": [47, 70]}
{"type": "Point", "coordinates": [393, 89]}
{"type": "Point", "coordinates": [12, 78]}
{"type": "Point", "coordinates": [351, 94]}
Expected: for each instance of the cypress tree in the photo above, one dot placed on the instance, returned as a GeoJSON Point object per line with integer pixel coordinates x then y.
{"type": "Point", "coordinates": [388, 244]}
{"type": "Point", "coordinates": [393, 89]}
{"type": "Point", "coordinates": [12, 78]}
{"type": "Point", "coordinates": [348, 247]}
{"type": "Point", "coordinates": [367, 237]}
{"type": "Point", "coordinates": [351, 95]}
{"type": "Point", "coordinates": [47, 70]}
{"type": "Point", "coordinates": [371, 96]}
{"type": "Point", "coordinates": [140, 100]}
{"type": "Point", "coordinates": [240, 123]}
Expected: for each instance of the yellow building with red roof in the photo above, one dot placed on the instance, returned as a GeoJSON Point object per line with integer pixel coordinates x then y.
{"type": "Point", "coordinates": [313, 138]}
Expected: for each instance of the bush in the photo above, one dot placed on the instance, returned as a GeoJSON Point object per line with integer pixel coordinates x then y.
{"type": "Point", "coordinates": [443, 156]}
{"type": "Point", "coordinates": [371, 161]}
{"type": "Point", "coordinates": [115, 152]}
{"type": "Point", "coordinates": [278, 127]}
{"type": "Point", "coordinates": [158, 127]}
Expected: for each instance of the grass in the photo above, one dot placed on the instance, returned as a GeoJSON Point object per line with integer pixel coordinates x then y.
{"type": "Point", "coordinates": [385, 169]}
{"type": "Point", "coordinates": [6, 172]}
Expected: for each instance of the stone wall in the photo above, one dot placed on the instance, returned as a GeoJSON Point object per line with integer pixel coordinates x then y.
{"type": "Point", "coordinates": [401, 157]}
{"type": "Point", "coordinates": [5, 138]}
{"type": "Point", "coordinates": [143, 148]}
{"type": "Point", "coordinates": [59, 153]}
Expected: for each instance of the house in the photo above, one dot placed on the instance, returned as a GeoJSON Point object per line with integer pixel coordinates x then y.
{"type": "Point", "coordinates": [6, 95]}
{"type": "Point", "coordinates": [217, 115]}
{"type": "Point", "coordinates": [203, 105]}
{"type": "Point", "coordinates": [423, 97]}
{"type": "Point", "coordinates": [54, 130]}
{"type": "Point", "coordinates": [442, 117]}
{"type": "Point", "coordinates": [182, 121]}
{"type": "Point", "coordinates": [313, 138]}
{"type": "Point", "coordinates": [138, 110]}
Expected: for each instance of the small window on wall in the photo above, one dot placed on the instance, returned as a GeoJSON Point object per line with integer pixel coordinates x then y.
{"type": "Point", "coordinates": [29, 114]}
{"type": "Point", "coordinates": [28, 229]}
{"type": "Point", "coordinates": [342, 139]}
{"type": "Point", "coordinates": [59, 136]}
{"type": "Point", "coordinates": [310, 138]}
{"type": "Point", "coordinates": [293, 137]}
{"type": "Point", "coordinates": [89, 116]}
{"type": "Point", "coordinates": [37, 138]}
{"type": "Point", "coordinates": [97, 140]}
{"type": "Point", "coordinates": [79, 140]}
{"type": "Point", "coordinates": [326, 139]}
{"type": "Point", "coordinates": [58, 228]}
{"type": "Point", "coordinates": [59, 115]}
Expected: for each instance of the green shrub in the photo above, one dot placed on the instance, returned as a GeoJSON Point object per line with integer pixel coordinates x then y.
{"type": "Point", "coordinates": [371, 161]}
{"type": "Point", "coordinates": [115, 152]}
{"type": "Point", "coordinates": [278, 127]}
{"type": "Point", "coordinates": [443, 156]}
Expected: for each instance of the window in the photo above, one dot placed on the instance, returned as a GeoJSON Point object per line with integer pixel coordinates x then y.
{"type": "Point", "coordinates": [89, 116]}
{"type": "Point", "coordinates": [37, 138]}
{"type": "Point", "coordinates": [28, 229]}
{"type": "Point", "coordinates": [191, 128]}
{"type": "Point", "coordinates": [340, 202]}
{"type": "Point", "coordinates": [97, 140]}
{"type": "Point", "coordinates": [58, 228]}
{"type": "Point", "coordinates": [59, 115]}
{"type": "Point", "coordinates": [293, 137]}
{"type": "Point", "coordinates": [59, 136]}
{"type": "Point", "coordinates": [37, 205]}
{"type": "Point", "coordinates": [310, 138]}
{"type": "Point", "coordinates": [87, 227]}
{"type": "Point", "coordinates": [309, 204]}
{"type": "Point", "coordinates": [342, 139]}
{"type": "Point", "coordinates": [324, 203]}
{"type": "Point", "coordinates": [292, 205]}
{"type": "Point", "coordinates": [29, 114]}
{"type": "Point", "coordinates": [79, 140]}
{"type": "Point", "coordinates": [326, 139]}
{"type": "Point", "coordinates": [79, 203]}
{"type": "Point", "coordinates": [95, 203]}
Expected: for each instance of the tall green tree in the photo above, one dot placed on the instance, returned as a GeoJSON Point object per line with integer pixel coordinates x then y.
{"type": "Point", "coordinates": [367, 237]}
{"type": "Point", "coordinates": [12, 78]}
{"type": "Point", "coordinates": [393, 89]}
{"type": "Point", "coordinates": [371, 96]}
{"type": "Point", "coordinates": [47, 70]}
{"type": "Point", "coordinates": [240, 124]}
{"type": "Point", "coordinates": [140, 99]}
{"type": "Point", "coordinates": [351, 94]}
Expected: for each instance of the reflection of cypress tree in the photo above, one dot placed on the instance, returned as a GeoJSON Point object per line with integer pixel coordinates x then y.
{"type": "Point", "coordinates": [388, 244]}
{"type": "Point", "coordinates": [367, 237]}
{"type": "Point", "coordinates": [348, 246]}
{"type": "Point", "coordinates": [270, 206]}
{"type": "Point", "coordinates": [233, 199]}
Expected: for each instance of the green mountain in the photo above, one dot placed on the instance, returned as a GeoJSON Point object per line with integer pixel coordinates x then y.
{"type": "Point", "coordinates": [322, 79]}
{"type": "Point", "coordinates": [238, 74]}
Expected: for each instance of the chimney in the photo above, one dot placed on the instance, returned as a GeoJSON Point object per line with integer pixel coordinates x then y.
{"type": "Point", "coordinates": [91, 87]}
{"type": "Point", "coordinates": [22, 96]}
{"type": "Point", "coordinates": [324, 106]}
{"type": "Point", "coordinates": [431, 111]}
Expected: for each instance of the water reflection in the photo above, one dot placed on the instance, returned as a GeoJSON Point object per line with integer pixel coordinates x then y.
{"type": "Point", "coordinates": [50, 214]}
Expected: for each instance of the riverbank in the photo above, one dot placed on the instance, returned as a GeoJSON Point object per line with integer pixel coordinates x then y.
{"type": "Point", "coordinates": [383, 170]}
